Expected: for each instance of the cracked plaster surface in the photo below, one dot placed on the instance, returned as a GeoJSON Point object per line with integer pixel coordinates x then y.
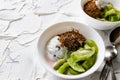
{"type": "Point", "coordinates": [24, 20]}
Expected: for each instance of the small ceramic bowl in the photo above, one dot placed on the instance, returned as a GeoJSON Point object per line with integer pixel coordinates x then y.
{"type": "Point", "coordinates": [62, 27]}
{"type": "Point", "coordinates": [97, 24]}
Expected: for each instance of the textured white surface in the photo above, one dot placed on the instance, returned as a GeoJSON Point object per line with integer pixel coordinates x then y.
{"type": "Point", "coordinates": [25, 19]}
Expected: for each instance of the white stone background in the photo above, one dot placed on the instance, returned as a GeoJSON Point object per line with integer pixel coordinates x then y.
{"type": "Point", "coordinates": [21, 23]}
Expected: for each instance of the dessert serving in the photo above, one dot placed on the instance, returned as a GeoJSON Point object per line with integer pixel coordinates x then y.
{"type": "Point", "coordinates": [106, 13]}
{"type": "Point", "coordinates": [101, 14]}
{"type": "Point", "coordinates": [72, 54]}
{"type": "Point", "coordinates": [70, 50]}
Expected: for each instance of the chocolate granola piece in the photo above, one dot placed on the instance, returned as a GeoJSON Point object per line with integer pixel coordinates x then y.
{"type": "Point", "coordinates": [92, 10]}
{"type": "Point", "coordinates": [71, 39]}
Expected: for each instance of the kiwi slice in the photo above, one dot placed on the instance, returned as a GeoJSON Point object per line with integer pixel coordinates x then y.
{"type": "Point", "coordinates": [59, 63]}
{"type": "Point", "coordinates": [73, 72]}
{"type": "Point", "coordinates": [83, 54]}
{"type": "Point", "coordinates": [63, 68]}
{"type": "Point", "coordinates": [75, 65]}
{"type": "Point", "coordinates": [91, 43]}
{"type": "Point", "coordinates": [89, 62]}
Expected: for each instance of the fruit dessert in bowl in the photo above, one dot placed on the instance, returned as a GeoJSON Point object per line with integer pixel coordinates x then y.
{"type": "Point", "coordinates": [71, 50]}
{"type": "Point", "coordinates": [104, 16]}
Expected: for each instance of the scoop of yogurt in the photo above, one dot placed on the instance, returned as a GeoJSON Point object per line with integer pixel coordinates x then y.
{"type": "Point", "coordinates": [54, 49]}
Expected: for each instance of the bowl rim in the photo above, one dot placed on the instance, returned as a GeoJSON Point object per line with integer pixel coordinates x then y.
{"type": "Point", "coordinates": [92, 17]}
{"type": "Point", "coordinates": [69, 76]}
